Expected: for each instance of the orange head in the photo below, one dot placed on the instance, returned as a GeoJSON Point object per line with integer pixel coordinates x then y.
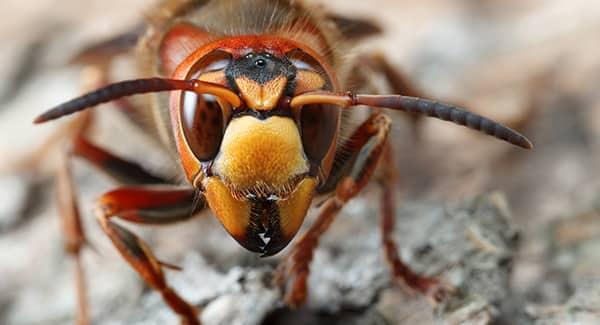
{"type": "Point", "coordinates": [258, 164]}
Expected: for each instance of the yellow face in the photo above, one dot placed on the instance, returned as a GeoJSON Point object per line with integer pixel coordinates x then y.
{"type": "Point", "coordinates": [261, 188]}
{"type": "Point", "coordinates": [261, 162]}
{"type": "Point", "coordinates": [261, 156]}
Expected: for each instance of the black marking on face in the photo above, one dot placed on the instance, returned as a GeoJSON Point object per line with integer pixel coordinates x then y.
{"type": "Point", "coordinates": [262, 68]}
{"type": "Point", "coordinates": [263, 115]}
{"type": "Point", "coordinates": [264, 228]}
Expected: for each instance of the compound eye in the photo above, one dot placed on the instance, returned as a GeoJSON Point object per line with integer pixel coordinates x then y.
{"type": "Point", "coordinates": [319, 124]}
{"type": "Point", "coordinates": [202, 122]}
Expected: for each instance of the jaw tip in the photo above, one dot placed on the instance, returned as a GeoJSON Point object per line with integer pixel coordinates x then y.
{"type": "Point", "coordinates": [266, 247]}
{"type": "Point", "coordinates": [274, 247]}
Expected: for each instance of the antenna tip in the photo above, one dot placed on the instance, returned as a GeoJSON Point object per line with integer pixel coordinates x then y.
{"type": "Point", "coordinates": [523, 142]}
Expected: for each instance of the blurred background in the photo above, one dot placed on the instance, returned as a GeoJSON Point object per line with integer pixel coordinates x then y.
{"type": "Point", "coordinates": [531, 64]}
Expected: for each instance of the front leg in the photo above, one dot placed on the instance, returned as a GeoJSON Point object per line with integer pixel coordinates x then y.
{"type": "Point", "coordinates": [73, 231]}
{"type": "Point", "coordinates": [367, 144]}
{"type": "Point", "coordinates": [149, 205]}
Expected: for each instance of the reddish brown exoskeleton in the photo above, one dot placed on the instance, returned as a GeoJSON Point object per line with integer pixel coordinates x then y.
{"type": "Point", "coordinates": [257, 93]}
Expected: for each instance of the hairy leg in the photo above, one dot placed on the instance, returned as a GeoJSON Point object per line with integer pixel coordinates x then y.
{"type": "Point", "coordinates": [156, 205]}
{"type": "Point", "coordinates": [149, 205]}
